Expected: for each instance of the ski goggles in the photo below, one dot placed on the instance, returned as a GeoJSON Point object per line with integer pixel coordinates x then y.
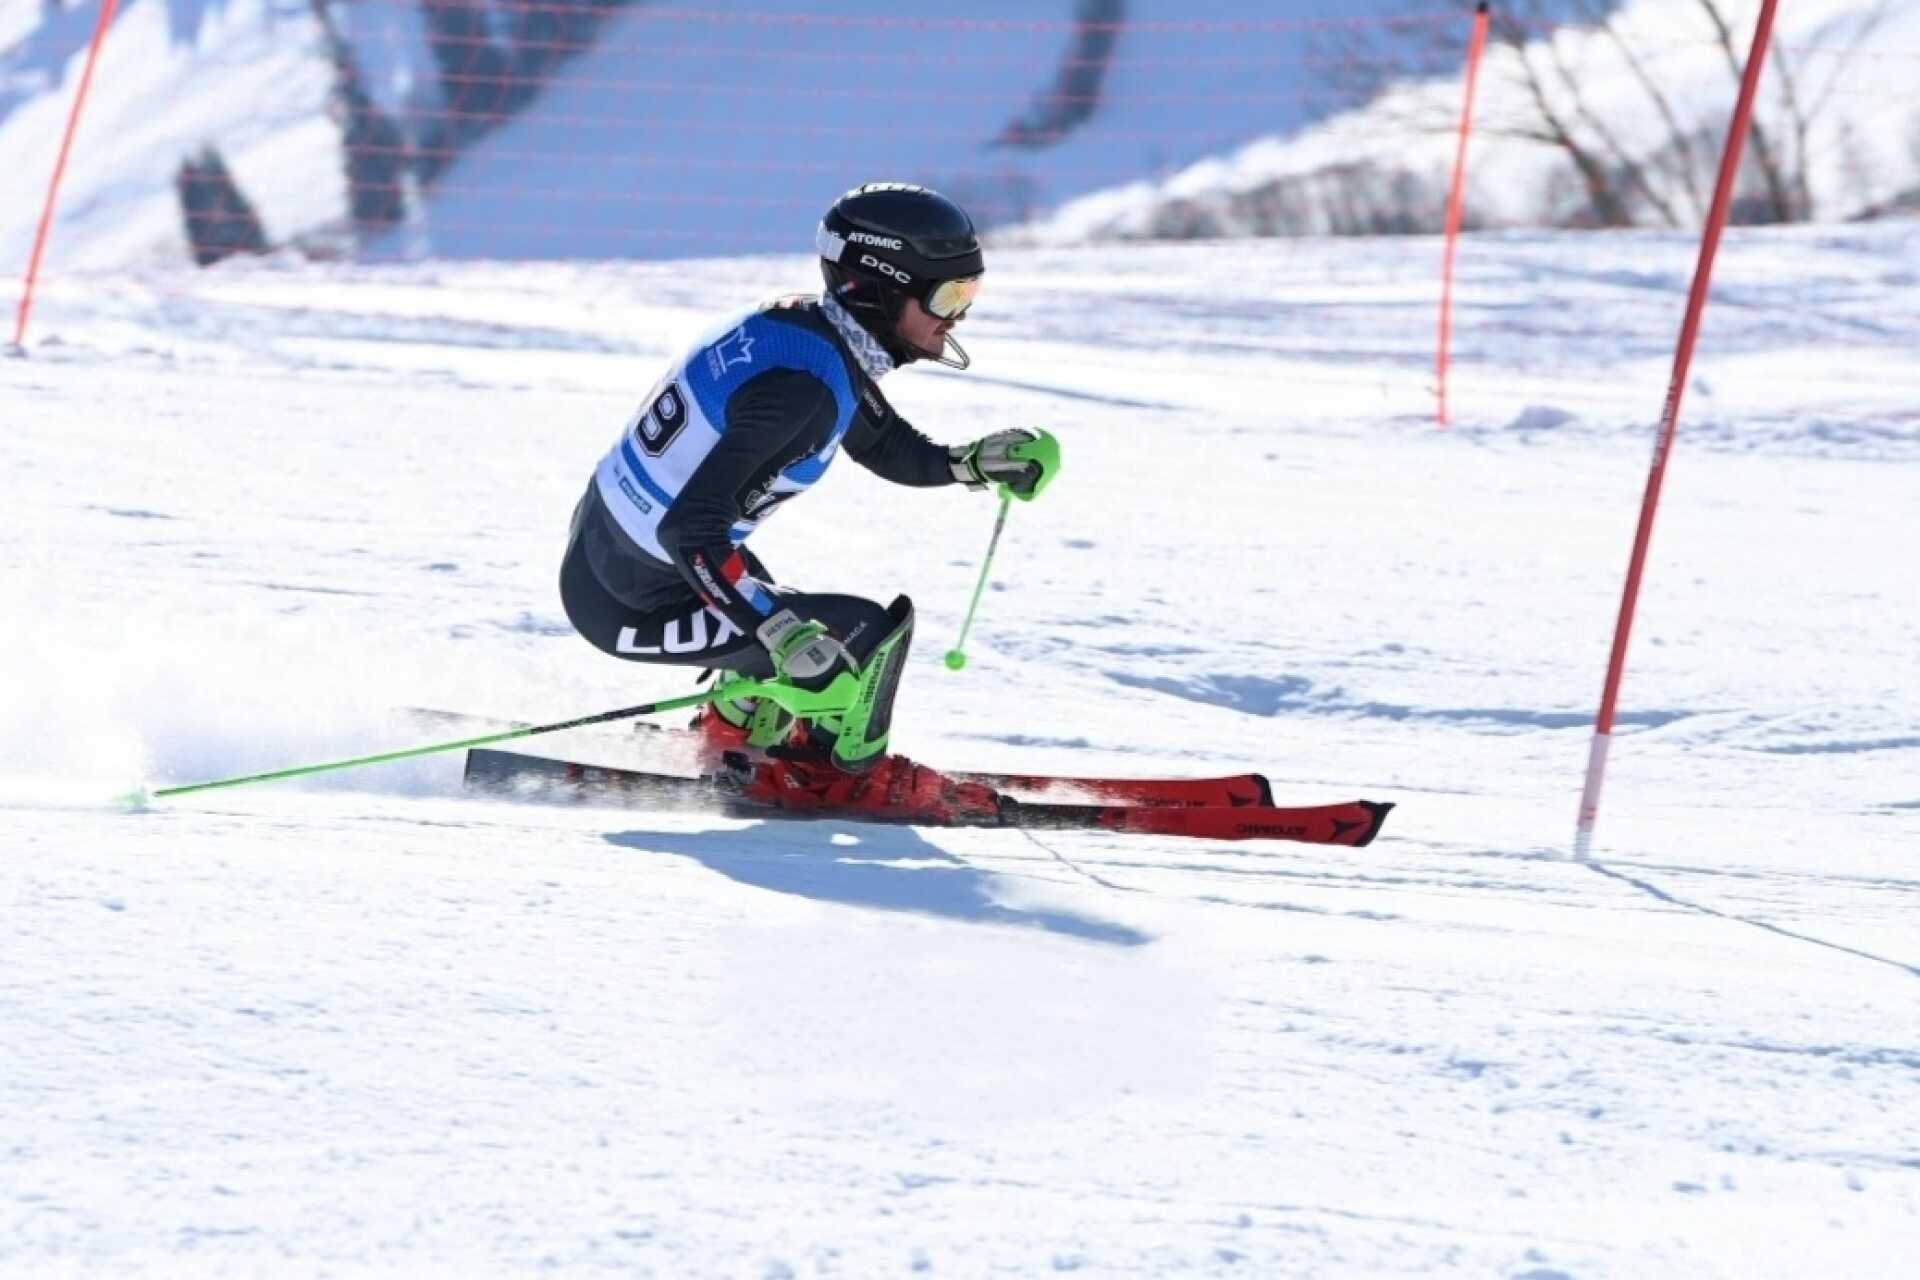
{"type": "Point", "coordinates": [950, 299]}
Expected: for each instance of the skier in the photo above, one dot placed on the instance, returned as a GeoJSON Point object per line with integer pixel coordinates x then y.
{"type": "Point", "coordinates": [656, 569]}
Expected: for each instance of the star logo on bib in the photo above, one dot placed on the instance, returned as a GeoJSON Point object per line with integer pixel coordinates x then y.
{"type": "Point", "coordinates": [735, 348]}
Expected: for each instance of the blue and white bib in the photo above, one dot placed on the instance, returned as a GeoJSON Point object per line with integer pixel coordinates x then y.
{"type": "Point", "coordinates": [685, 414]}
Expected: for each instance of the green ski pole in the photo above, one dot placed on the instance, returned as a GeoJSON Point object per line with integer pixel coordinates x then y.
{"type": "Point", "coordinates": [137, 798]}
{"type": "Point", "coordinates": [957, 656]}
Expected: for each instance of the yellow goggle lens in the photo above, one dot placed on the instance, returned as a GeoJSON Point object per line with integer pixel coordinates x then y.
{"type": "Point", "coordinates": [951, 298]}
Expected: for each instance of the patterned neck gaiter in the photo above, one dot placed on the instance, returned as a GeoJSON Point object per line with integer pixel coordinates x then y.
{"type": "Point", "coordinates": [866, 348]}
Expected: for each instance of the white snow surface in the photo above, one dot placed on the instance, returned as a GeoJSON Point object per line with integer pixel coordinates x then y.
{"type": "Point", "coordinates": [367, 1025]}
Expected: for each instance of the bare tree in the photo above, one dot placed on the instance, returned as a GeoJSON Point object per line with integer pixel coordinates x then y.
{"type": "Point", "coordinates": [220, 221]}
{"type": "Point", "coordinates": [373, 148]}
{"type": "Point", "coordinates": [1653, 163]}
{"type": "Point", "coordinates": [1074, 97]}
{"type": "Point", "coordinates": [1600, 18]}
{"type": "Point", "coordinates": [1553, 111]}
{"type": "Point", "coordinates": [1760, 144]}
{"type": "Point", "coordinates": [1557, 124]}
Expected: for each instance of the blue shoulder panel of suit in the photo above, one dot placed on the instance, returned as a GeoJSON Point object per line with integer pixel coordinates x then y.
{"type": "Point", "coordinates": [758, 344]}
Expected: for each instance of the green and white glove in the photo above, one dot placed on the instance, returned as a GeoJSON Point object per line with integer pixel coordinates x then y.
{"type": "Point", "coordinates": [1021, 460]}
{"type": "Point", "coordinates": [803, 652]}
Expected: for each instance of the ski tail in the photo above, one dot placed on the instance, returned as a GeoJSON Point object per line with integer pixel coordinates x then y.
{"type": "Point", "coordinates": [512, 776]}
{"type": "Point", "coordinates": [1353, 824]}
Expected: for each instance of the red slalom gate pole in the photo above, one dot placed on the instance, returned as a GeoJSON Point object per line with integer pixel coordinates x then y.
{"type": "Point", "coordinates": [1456, 199]}
{"type": "Point", "coordinates": [59, 172]}
{"type": "Point", "coordinates": [1669, 421]}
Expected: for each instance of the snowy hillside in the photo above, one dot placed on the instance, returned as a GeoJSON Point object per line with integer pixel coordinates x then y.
{"type": "Point", "coordinates": [741, 132]}
{"type": "Point", "coordinates": [691, 132]}
{"type": "Point", "coordinates": [369, 1025]}
{"type": "Point", "coordinates": [675, 131]}
{"type": "Point", "coordinates": [1862, 148]}
{"type": "Point", "coordinates": [249, 76]}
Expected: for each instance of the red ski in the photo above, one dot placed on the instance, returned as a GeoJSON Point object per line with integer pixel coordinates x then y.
{"type": "Point", "coordinates": [1231, 789]}
{"type": "Point", "coordinates": [913, 795]}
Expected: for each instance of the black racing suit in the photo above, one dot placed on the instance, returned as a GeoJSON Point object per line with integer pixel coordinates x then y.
{"type": "Point", "coordinates": [691, 608]}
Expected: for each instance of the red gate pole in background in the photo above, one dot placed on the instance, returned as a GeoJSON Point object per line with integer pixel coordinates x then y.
{"type": "Point", "coordinates": [1456, 198]}
{"type": "Point", "coordinates": [1669, 420]}
{"type": "Point", "coordinates": [59, 171]}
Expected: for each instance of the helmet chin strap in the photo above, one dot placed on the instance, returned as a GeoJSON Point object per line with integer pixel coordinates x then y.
{"type": "Point", "coordinates": [952, 354]}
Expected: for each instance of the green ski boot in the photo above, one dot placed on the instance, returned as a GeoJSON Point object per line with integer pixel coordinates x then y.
{"type": "Point", "coordinates": [847, 722]}
{"type": "Point", "coordinates": [856, 738]}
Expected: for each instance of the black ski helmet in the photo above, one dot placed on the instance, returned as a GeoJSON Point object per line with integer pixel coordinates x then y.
{"type": "Point", "coordinates": [885, 242]}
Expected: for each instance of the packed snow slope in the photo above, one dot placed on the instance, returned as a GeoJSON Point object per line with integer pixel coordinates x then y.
{"type": "Point", "coordinates": [371, 1026]}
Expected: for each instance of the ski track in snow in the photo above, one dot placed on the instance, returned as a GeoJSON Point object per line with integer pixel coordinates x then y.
{"type": "Point", "coordinates": [364, 1025]}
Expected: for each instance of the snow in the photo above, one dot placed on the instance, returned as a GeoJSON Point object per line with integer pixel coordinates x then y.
{"type": "Point", "coordinates": [1863, 146]}
{"type": "Point", "coordinates": [366, 1025]}
{"type": "Point", "coordinates": [169, 81]}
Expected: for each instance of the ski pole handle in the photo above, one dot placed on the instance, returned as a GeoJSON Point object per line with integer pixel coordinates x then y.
{"type": "Point", "coordinates": [957, 656]}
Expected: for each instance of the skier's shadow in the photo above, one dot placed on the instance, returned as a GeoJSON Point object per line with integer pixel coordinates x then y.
{"type": "Point", "coordinates": [864, 865]}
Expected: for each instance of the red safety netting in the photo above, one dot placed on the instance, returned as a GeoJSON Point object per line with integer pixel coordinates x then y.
{"type": "Point", "coordinates": [524, 128]}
